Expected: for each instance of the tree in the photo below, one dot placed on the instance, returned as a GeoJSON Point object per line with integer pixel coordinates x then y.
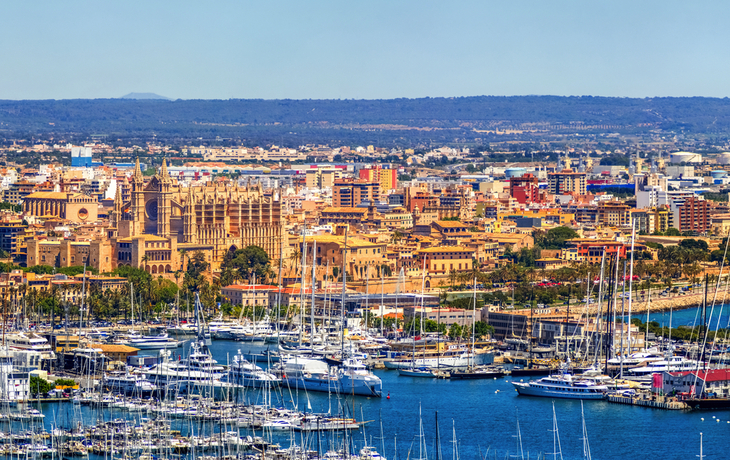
{"type": "Point", "coordinates": [39, 386]}
{"type": "Point", "coordinates": [672, 232]}
{"type": "Point", "coordinates": [555, 238]}
{"type": "Point", "coordinates": [249, 261]}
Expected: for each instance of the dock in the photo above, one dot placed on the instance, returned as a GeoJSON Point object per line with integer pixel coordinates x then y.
{"type": "Point", "coordinates": [659, 403]}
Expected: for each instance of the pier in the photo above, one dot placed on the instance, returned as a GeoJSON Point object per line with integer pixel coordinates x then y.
{"type": "Point", "coordinates": [659, 403]}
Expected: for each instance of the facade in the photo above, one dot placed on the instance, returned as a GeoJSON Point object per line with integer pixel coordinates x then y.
{"type": "Point", "coordinates": [163, 218]}
{"type": "Point", "coordinates": [350, 193]}
{"type": "Point", "coordinates": [9, 232]}
{"type": "Point", "coordinates": [697, 383]}
{"type": "Point", "coordinates": [613, 214]}
{"type": "Point", "coordinates": [322, 178]}
{"type": "Point", "coordinates": [651, 220]}
{"type": "Point", "coordinates": [524, 189]}
{"type": "Point", "coordinates": [694, 215]}
{"type": "Point", "coordinates": [68, 253]}
{"type": "Point", "coordinates": [248, 295]}
{"type": "Point", "coordinates": [567, 182]}
{"type": "Point", "coordinates": [447, 316]}
{"type": "Point", "coordinates": [387, 178]}
{"type": "Point", "coordinates": [75, 207]}
{"type": "Point", "coordinates": [445, 259]}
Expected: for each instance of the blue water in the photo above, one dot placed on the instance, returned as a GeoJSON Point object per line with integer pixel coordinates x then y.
{"type": "Point", "coordinates": [484, 415]}
{"type": "Point", "coordinates": [691, 317]}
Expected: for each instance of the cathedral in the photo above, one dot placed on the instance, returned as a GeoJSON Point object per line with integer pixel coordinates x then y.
{"type": "Point", "coordinates": [163, 220]}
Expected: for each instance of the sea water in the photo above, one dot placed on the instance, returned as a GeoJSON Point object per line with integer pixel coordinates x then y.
{"type": "Point", "coordinates": [484, 415]}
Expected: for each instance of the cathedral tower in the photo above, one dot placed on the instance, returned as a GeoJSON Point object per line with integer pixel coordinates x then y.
{"type": "Point", "coordinates": [137, 200]}
{"type": "Point", "coordinates": [163, 202]}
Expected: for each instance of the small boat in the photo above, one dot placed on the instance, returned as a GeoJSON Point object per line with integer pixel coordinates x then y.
{"type": "Point", "coordinates": [519, 371]}
{"type": "Point", "coordinates": [479, 372]}
{"type": "Point", "coordinates": [422, 372]}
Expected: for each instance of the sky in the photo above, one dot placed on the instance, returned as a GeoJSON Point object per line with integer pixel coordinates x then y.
{"type": "Point", "coordinates": [345, 49]}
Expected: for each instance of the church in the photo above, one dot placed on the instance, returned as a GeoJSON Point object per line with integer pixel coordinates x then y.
{"type": "Point", "coordinates": [164, 220]}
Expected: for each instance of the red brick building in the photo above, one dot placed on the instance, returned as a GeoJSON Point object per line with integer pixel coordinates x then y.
{"type": "Point", "coordinates": [694, 215]}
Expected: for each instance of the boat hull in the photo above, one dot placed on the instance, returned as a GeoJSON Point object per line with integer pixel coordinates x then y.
{"type": "Point", "coordinates": [526, 390]}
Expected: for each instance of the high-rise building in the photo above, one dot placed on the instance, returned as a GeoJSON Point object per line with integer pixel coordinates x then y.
{"type": "Point", "coordinates": [349, 193]}
{"type": "Point", "coordinates": [694, 215]}
{"type": "Point", "coordinates": [387, 178]}
{"type": "Point", "coordinates": [567, 182]}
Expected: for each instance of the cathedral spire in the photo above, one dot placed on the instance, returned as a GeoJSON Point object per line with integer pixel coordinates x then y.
{"type": "Point", "coordinates": [164, 175]}
{"type": "Point", "coordinates": [118, 197]}
{"type": "Point", "coordinates": [137, 175]}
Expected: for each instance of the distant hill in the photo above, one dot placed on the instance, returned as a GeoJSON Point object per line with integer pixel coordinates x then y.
{"type": "Point", "coordinates": [476, 120]}
{"type": "Point", "coordinates": [140, 96]}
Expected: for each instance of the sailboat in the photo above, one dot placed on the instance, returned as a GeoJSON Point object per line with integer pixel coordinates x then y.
{"type": "Point", "coordinates": [474, 372]}
{"type": "Point", "coordinates": [414, 371]}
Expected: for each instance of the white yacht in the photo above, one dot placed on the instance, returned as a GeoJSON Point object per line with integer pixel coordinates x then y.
{"type": "Point", "coordinates": [154, 342]}
{"type": "Point", "coordinates": [128, 383]}
{"type": "Point", "coordinates": [635, 359]}
{"type": "Point", "coordinates": [564, 386]}
{"type": "Point", "coordinates": [455, 357]}
{"type": "Point", "coordinates": [200, 360]}
{"type": "Point", "coordinates": [247, 374]}
{"type": "Point", "coordinates": [31, 342]}
{"type": "Point", "coordinates": [353, 378]}
{"type": "Point", "coordinates": [670, 364]}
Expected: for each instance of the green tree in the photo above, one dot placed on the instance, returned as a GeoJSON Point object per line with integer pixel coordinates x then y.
{"type": "Point", "coordinates": [249, 261]}
{"type": "Point", "coordinates": [555, 238]}
{"type": "Point", "coordinates": [39, 386]}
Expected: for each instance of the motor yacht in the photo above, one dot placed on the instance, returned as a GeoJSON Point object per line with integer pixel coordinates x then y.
{"type": "Point", "coordinates": [31, 342]}
{"type": "Point", "coordinates": [669, 364]}
{"type": "Point", "coordinates": [155, 342]}
{"type": "Point", "coordinates": [247, 374]}
{"type": "Point", "coordinates": [352, 378]}
{"type": "Point", "coordinates": [564, 386]}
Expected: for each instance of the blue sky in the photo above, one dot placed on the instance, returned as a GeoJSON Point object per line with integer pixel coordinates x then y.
{"type": "Point", "coordinates": [362, 49]}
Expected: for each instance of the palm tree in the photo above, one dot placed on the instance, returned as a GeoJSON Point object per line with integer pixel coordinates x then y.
{"type": "Point", "coordinates": [183, 253]}
{"type": "Point", "coordinates": [295, 257]}
{"type": "Point", "coordinates": [145, 259]}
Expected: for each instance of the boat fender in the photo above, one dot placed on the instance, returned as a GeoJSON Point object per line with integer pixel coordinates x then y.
{"type": "Point", "coordinates": [283, 376]}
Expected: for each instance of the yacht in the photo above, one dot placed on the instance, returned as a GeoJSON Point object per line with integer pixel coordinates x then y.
{"type": "Point", "coordinates": [31, 342]}
{"type": "Point", "coordinates": [129, 384]}
{"type": "Point", "coordinates": [636, 359]}
{"type": "Point", "coordinates": [154, 342]}
{"type": "Point", "coordinates": [353, 378]}
{"type": "Point", "coordinates": [201, 360]}
{"type": "Point", "coordinates": [247, 374]}
{"type": "Point", "coordinates": [670, 364]}
{"type": "Point", "coordinates": [170, 371]}
{"type": "Point", "coordinates": [564, 386]}
{"type": "Point", "coordinates": [455, 357]}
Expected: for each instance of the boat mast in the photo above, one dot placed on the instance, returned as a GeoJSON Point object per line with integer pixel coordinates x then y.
{"type": "Point", "coordinates": [473, 325]}
{"type": "Point", "coordinates": [598, 338]}
{"type": "Point", "coordinates": [303, 280]}
{"type": "Point", "coordinates": [278, 293]}
{"type": "Point", "coordinates": [342, 300]}
{"type": "Point", "coordinates": [631, 280]}
{"type": "Point", "coordinates": [83, 297]}
{"type": "Point", "coordinates": [314, 275]}
{"type": "Point", "coordinates": [623, 322]}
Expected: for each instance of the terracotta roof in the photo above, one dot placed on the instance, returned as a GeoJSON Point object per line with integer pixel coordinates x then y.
{"type": "Point", "coordinates": [106, 348]}
{"type": "Point", "coordinates": [346, 210]}
{"type": "Point", "coordinates": [50, 195]}
{"type": "Point", "coordinates": [450, 223]}
{"type": "Point", "coordinates": [447, 249]}
{"type": "Point", "coordinates": [248, 287]}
